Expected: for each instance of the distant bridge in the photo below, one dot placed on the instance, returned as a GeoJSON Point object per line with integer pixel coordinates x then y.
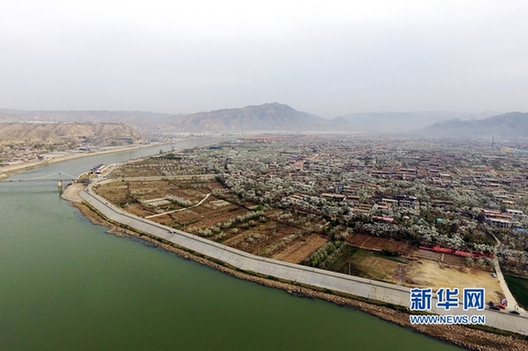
{"type": "Point", "coordinates": [54, 177]}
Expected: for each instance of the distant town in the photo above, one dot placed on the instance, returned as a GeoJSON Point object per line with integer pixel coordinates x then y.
{"type": "Point", "coordinates": [26, 142]}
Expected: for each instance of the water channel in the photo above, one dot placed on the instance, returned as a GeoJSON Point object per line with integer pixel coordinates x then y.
{"type": "Point", "coordinates": [68, 285]}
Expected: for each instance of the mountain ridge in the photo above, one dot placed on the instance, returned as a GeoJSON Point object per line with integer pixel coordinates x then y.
{"type": "Point", "coordinates": [265, 117]}
{"type": "Point", "coordinates": [511, 125]}
{"type": "Point", "coordinates": [277, 117]}
{"type": "Point", "coordinates": [403, 122]}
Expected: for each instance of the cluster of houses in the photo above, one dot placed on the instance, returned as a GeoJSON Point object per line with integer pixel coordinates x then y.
{"type": "Point", "coordinates": [503, 220]}
{"type": "Point", "coordinates": [355, 175]}
{"type": "Point", "coordinates": [464, 172]}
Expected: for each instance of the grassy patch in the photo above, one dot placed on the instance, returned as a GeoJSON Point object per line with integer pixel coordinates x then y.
{"type": "Point", "coordinates": [519, 289]}
{"type": "Point", "coordinates": [365, 264]}
{"type": "Point", "coordinates": [340, 263]}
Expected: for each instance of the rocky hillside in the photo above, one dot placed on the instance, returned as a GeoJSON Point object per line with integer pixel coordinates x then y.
{"type": "Point", "coordinates": [267, 117]}
{"type": "Point", "coordinates": [271, 117]}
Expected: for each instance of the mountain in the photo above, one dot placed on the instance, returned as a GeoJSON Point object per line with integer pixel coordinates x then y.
{"type": "Point", "coordinates": [272, 117]}
{"type": "Point", "coordinates": [508, 126]}
{"type": "Point", "coordinates": [401, 122]}
{"type": "Point", "coordinates": [266, 117]}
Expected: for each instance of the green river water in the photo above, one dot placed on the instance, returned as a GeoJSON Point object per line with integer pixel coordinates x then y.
{"type": "Point", "coordinates": [66, 284]}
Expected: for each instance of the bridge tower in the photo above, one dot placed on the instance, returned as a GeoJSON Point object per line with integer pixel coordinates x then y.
{"type": "Point", "coordinates": [59, 184]}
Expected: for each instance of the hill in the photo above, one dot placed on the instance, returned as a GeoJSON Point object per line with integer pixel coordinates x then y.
{"type": "Point", "coordinates": [508, 126]}
{"type": "Point", "coordinates": [400, 122]}
{"type": "Point", "coordinates": [266, 117]}
{"type": "Point", "coordinates": [60, 133]}
{"type": "Point", "coordinates": [141, 120]}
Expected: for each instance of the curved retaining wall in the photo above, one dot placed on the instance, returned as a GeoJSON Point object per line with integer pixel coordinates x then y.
{"type": "Point", "coordinates": [371, 289]}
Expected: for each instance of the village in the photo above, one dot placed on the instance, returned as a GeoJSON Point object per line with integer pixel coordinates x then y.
{"type": "Point", "coordinates": [414, 213]}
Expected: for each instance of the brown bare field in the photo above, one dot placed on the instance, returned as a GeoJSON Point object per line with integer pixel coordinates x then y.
{"type": "Point", "coordinates": [262, 239]}
{"type": "Point", "coordinates": [437, 275]}
{"type": "Point", "coordinates": [379, 268]}
{"type": "Point", "coordinates": [212, 214]}
{"type": "Point", "coordinates": [263, 235]}
{"type": "Point", "coordinates": [440, 257]}
{"type": "Point", "coordinates": [138, 210]}
{"type": "Point", "coordinates": [374, 243]}
{"type": "Point", "coordinates": [298, 251]}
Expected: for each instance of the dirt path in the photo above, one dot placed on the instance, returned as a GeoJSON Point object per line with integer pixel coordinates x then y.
{"type": "Point", "coordinates": [512, 303]}
{"type": "Point", "coordinates": [71, 193]}
{"type": "Point", "coordinates": [180, 209]}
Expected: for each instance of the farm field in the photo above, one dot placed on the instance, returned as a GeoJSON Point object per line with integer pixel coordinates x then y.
{"type": "Point", "coordinates": [367, 264]}
{"type": "Point", "coordinates": [437, 275]}
{"type": "Point", "coordinates": [378, 244]}
{"type": "Point", "coordinates": [161, 191]}
{"type": "Point", "coordinates": [297, 252]}
{"type": "Point", "coordinates": [191, 206]}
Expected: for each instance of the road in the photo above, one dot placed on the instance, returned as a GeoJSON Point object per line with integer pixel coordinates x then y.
{"type": "Point", "coordinates": [512, 303]}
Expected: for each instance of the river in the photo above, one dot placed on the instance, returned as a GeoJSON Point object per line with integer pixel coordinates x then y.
{"type": "Point", "coordinates": [68, 285]}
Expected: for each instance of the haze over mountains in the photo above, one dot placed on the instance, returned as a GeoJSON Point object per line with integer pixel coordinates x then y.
{"type": "Point", "coordinates": [139, 119]}
{"type": "Point", "coordinates": [402, 122]}
{"type": "Point", "coordinates": [276, 117]}
{"type": "Point", "coordinates": [512, 125]}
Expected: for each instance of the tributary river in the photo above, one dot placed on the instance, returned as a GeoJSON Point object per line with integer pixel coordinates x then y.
{"type": "Point", "coordinates": [66, 284]}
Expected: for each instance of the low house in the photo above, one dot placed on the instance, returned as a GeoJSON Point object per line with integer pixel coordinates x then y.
{"type": "Point", "coordinates": [334, 197]}
{"type": "Point", "coordinates": [515, 213]}
{"type": "Point", "coordinates": [499, 223]}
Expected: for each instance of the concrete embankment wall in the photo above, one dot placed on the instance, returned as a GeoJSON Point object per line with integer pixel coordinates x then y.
{"type": "Point", "coordinates": [338, 282]}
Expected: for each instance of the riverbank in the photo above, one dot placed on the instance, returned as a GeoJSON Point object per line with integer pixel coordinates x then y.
{"type": "Point", "coordinates": [9, 171]}
{"type": "Point", "coordinates": [462, 336]}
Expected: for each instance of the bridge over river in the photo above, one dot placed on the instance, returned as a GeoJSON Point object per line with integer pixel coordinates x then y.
{"type": "Point", "coordinates": [54, 177]}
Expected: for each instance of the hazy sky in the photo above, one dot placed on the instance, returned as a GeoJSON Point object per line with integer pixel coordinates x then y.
{"type": "Point", "coordinates": [326, 57]}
